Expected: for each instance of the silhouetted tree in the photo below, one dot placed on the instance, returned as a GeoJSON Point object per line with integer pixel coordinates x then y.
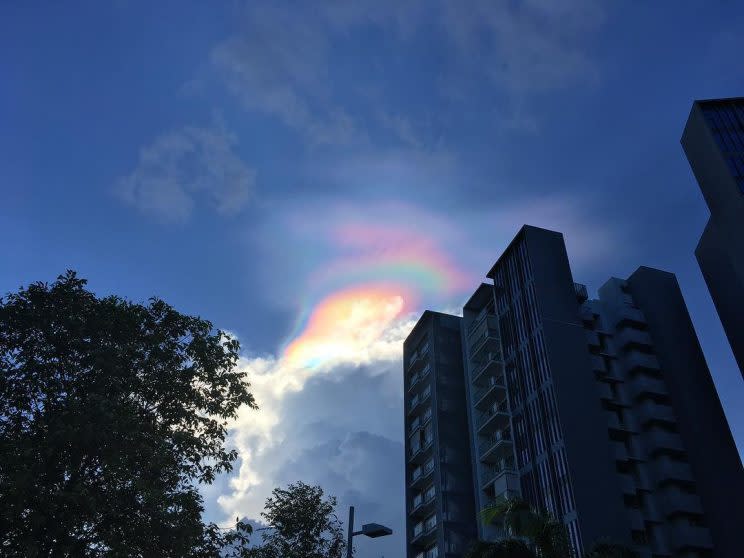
{"type": "Point", "coordinates": [302, 524]}
{"type": "Point", "coordinates": [607, 549]}
{"type": "Point", "coordinates": [547, 534]}
{"type": "Point", "coordinates": [111, 414]}
{"type": "Point", "coordinates": [506, 548]}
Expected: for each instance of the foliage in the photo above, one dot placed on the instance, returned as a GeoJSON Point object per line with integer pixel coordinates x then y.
{"type": "Point", "coordinates": [547, 534]}
{"type": "Point", "coordinates": [506, 548]}
{"type": "Point", "coordinates": [111, 414]}
{"type": "Point", "coordinates": [303, 524]}
{"type": "Point", "coordinates": [607, 549]}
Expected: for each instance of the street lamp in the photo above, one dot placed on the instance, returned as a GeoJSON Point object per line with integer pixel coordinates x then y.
{"type": "Point", "coordinates": [372, 530]}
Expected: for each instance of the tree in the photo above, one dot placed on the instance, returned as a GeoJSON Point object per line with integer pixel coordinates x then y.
{"type": "Point", "coordinates": [111, 415]}
{"type": "Point", "coordinates": [547, 534]}
{"type": "Point", "coordinates": [608, 549]}
{"type": "Point", "coordinates": [506, 548]}
{"type": "Point", "coordinates": [303, 524]}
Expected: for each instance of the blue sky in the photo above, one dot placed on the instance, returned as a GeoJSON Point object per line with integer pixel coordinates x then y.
{"type": "Point", "coordinates": [219, 154]}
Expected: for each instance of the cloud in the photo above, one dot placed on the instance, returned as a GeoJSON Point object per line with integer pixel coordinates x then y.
{"type": "Point", "coordinates": [287, 421]}
{"type": "Point", "coordinates": [179, 166]}
{"type": "Point", "coordinates": [527, 46]}
{"type": "Point", "coordinates": [278, 65]}
{"type": "Point", "coordinates": [284, 61]}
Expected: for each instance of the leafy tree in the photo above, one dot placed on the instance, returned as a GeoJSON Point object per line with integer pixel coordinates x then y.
{"type": "Point", "coordinates": [303, 524]}
{"type": "Point", "coordinates": [607, 549]}
{"type": "Point", "coordinates": [506, 548]}
{"type": "Point", "coordinates": [547, 534]}
{"type": "Point", "coordinates": [111, 415]}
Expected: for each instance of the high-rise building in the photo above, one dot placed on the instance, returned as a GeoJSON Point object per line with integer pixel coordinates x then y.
{"type": "Point", "coordinates": [713, 141]}
{"type": "Point", "coordinates": [601, 412]}
{"type": "Point", "coordinates": [439, 498]}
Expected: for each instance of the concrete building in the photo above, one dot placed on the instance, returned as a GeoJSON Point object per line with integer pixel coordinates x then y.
{"type": "Point", "coordinates": [602, 412]}
{"type": "Point", "coordinates": [713, 141]}
{"type": "Point", "coordinates": [439, 498]}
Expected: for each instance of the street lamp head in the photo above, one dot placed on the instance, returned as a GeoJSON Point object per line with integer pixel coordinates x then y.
{"type": "Point", "coordinates": [375, 530]}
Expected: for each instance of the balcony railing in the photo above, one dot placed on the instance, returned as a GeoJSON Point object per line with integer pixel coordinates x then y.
{"type": "Point", "coordinates": [421, 500]}
{"type": "Point", "coordinates": [419, 398]}
{"type": "Point", "coordinates": [490, 384]}
{"type": "Point", "coordinates": [492, 471]}
{"type": "Point", "coordinates": [498, 438]}
{"type": "Point", "coordinates": [498, 409]}
{"type": "Point", "coordinates": [492, 358]}
{"type": "Point", "coordinates": [418, 356]}
{"type": "Point", "coordinates": [425, 446]}
{"type": "Point", "coordinates": [422, 471]}
{"type": "Point", "coordinates": [478, 346]}
{"type": "Point", "coordinates": [418, 376]}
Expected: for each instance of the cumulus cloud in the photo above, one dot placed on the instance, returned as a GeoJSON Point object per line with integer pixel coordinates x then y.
{"type": "Point", "coordinates": [180, 166]}
{"type": "Point", "coordinates": [337, 423]}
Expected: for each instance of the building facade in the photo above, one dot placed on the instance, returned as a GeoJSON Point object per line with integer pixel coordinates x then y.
{"type": "Point", "coordinates": [601, 412]}
{"type": "Point", "coordinates": [440, 519]}
{"type": "Point", "coordinates": [713, 141]}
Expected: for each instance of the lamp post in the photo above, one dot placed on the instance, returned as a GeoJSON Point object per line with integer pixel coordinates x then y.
{"type": "Point", "coordinates": [372, 530]}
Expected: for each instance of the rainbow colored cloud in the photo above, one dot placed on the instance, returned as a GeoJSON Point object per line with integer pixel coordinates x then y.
{"type": "Point", "coordinates": [381, 266]}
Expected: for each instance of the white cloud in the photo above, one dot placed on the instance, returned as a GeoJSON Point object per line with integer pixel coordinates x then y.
{"type": "Point", "coordinates": [181, 165]}
{"type": "Point", "coordinates": [269, 439]}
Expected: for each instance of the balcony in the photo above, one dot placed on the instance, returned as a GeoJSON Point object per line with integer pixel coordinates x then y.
{"type": "Point", "coordinates": [486, 340]}
{"type": "Point", "coordinates": [494, 389]}
{"type": "Point", "coordinates": [420, 421]}
{"type": "Point", "coordinates": [425, 533]}
{"type": "Point", "coordinates": [423, 504]}
{"type": "Point", "coordinates": [416, 379]}
{"type": "Point", "coordinates": [615, 423]}
{"type": "Point", "coordinates": [674, 501]}
{"type": "Point", "coordinates": [656, 440]}
{"type": "Point", "coordinates": [422, 452]}
{"type": "Point", "coordinates": [643, 385]}
{"type": "Point", "coordinates": [629, 337]}
{"type": "Point", "coordinates": [496, 447]}
{"type": "Point", "coordinates": [687, 537]}
{"type": "Point", "coordinates": [500, 482]}
{"type": "Point", "coordinates": [422, 474]}
{"type": "Point", "coordinates": [630, 316]}
{"type": "Point", "coordinates": [418, 359]}
{"type": "Point", "coordinates": [496, 417]}
{"type": "Point", "coordinates": [666, 469]}
{"type": "Point", "coordinates": [418, 399]}
{"type": "Point", "coordinates": [492, 365]}
{"type": "Point", "coordinates": [653, 412]}
{"type": "Point", "coordinates": [636, 361]}
{"type": "Point", "coordinates": [477, 325]}
{"type": "Point", "coordinates": [432, 552]}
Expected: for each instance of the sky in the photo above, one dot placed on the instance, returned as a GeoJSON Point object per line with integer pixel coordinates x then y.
{"type": "Point", "coordinates": [310, 176]}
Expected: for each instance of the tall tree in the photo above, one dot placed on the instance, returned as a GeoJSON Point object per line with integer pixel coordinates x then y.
{"type": "Point", "coordinates": [303, 524]}
{"type": "Point", "coordinates": [547, 534]}
{"type": "Point", "coordinates": [608, 549]}
{"type": "Point", "coordinates": [111, 415]}
{"type": "Point", "coordinates": [505, 548]}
